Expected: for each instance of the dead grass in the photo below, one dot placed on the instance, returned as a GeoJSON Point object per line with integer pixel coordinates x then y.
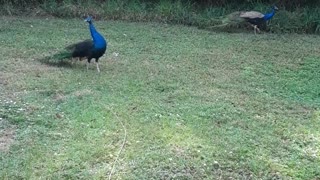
{"type": "Point", "coordinates": [7, 137]}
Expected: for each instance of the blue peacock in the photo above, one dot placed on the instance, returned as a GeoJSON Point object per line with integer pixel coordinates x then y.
{"type": "Point", "coordinates": [91, 48]}
{"type": "Point", "coordinates": [256, 19]}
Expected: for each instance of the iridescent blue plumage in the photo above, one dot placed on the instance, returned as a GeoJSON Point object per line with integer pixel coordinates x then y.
{"type": "Point", "coordinates": [99, 44]}
{"type": "Point", "coordinates": [268, 16]}
{"type": "Point", "coordinates": [91, 48]}
{"type": "Point", "coordinates": [98, 40]}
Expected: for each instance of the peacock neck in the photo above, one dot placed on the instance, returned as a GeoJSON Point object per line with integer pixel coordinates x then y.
{"type": "Point", "coordinates": [269, 15]}
{"type": "Point", "coordinates": [98, 40]}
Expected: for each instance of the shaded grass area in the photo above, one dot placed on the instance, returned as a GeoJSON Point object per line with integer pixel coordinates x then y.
{"type": "Point", "coordinates": [195, 104]}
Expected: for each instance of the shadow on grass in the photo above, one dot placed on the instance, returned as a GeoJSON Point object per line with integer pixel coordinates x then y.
{"type": "Point", "coordinates": [234, 28]}
{"type": "Point", "coordinates": [56, 62]}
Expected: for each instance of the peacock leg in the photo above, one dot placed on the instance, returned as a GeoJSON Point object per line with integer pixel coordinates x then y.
{"type": "Point", "coordinates": [255, 29]}
{"type": "Point", "coordinates": [88, 62]}
{"type": "Point", "coordinates": [97, 64]}
{"type": "Point", "coordinates": [258, 30]}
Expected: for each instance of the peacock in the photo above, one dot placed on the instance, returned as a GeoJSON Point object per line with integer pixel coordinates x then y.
{"type": "Point", "coordinates": [256, 19]}
{"type": "Point", "coordinates": [91, 48]}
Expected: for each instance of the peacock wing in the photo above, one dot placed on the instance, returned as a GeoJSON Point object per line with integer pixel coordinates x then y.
{"type": "Point", "coordinates": [83, 44]}
{"type": "Point", "coordinates": [81, 49]}
{"type": "Point", "coordinates": [251, 14]}
{"type": "Point", "coordinates": [234, 17]}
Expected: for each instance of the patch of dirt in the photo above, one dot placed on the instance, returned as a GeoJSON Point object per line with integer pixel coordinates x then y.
{"type": "Point", "coordinates": [83, 92]}
{"type": "Point", "coordinates": [59, 97]}
{"type": "Point", "coordinates": [3, 81]}
{"type": "Point", "coordinates": [6, 138]}
{"type": "Point", "coordinates": [178, 151]}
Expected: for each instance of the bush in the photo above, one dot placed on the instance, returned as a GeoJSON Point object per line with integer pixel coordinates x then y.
{"type": "Point", "coordinates": [292, 17]}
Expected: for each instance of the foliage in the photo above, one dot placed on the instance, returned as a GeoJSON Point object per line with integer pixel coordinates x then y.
{"type": "Point", "coordinates": [297, 16]}
{"type": "Point", "coordinates": [286, 3]}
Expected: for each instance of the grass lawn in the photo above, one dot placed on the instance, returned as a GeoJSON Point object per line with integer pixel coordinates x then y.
{"type": "Point", "coordinates": [193, 104]}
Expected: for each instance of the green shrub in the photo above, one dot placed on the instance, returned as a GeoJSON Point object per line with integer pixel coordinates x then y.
{"type": "Point", "coordinates": [203, 14]}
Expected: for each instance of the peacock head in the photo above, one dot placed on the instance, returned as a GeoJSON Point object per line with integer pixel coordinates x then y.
{"type": "Point", "coordinates": [274, 7]}
{"type": "Point", "coordinates": [88, 19]}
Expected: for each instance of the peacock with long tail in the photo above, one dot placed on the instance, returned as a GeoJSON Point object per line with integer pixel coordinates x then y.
{"type": "Point", "coordinates": [91, 48]}
{"type": "Point", "coordinates": [256, 19]}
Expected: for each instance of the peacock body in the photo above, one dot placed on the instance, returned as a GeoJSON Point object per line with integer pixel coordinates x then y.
{"type": "Point", "coordinates": [257, 19]}
{"type": "Point", "coordinates": [80, 49]}
{"type": "Point", "coordinates": [254, 18]}
{"type": "Point", "coordinates": [91, 48]}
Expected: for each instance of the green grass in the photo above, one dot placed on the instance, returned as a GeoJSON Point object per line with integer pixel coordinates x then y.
{"type": "Point", "coordinates": [195, 104]}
